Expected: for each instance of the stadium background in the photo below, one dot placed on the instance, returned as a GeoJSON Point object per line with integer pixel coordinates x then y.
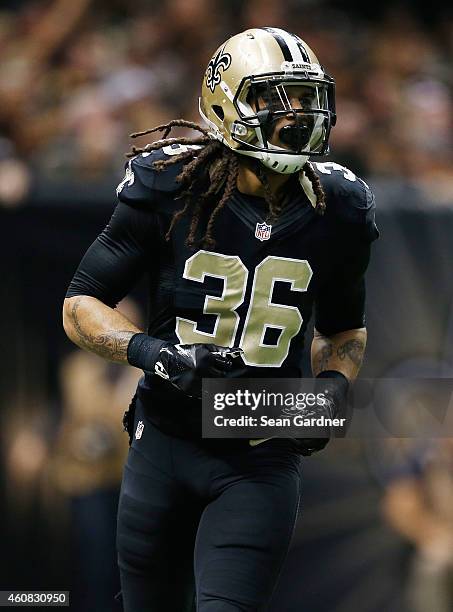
{"type": "Point", "coordinates": [76, 78]}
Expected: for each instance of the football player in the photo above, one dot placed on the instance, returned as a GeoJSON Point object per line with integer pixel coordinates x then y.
{"type": "Point", "coordinates": [241, 233]}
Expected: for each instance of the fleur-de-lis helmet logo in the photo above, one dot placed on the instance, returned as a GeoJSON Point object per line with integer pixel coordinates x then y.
{"type": "Point", "coordinates": [220, 60]}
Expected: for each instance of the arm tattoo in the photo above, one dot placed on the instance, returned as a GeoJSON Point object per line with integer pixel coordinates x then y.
{"type": "Point", "coordinates": [353, 349]}
{"type": "Point", "coordinates": [111, 345]}
{"type": "Point", "coordinates": [324, 356]}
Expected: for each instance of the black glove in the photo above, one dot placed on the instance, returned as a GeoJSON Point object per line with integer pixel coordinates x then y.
{"type": "Point", "coordinates": [335, 387]}
{"type": "Point", "coordinates": [308, 446]}
{"type": "Point", "coordinates": [183, 365]}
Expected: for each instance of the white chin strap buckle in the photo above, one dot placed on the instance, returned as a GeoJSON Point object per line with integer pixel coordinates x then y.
{"type": "Point", "coordinates": [284, 164]}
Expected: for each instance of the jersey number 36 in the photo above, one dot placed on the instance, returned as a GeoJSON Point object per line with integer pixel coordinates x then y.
{"type": "Point", "coordinates": [262, 312]}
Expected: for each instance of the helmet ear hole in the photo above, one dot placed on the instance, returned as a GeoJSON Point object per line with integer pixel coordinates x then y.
{"type": "Point", "coordinates": [218, 111]}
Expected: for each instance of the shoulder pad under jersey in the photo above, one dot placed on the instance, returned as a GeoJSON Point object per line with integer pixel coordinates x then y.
{"type": "Point", "coordinates": [142, 183]}
{"type": "Point", "coordinates": [348, 199]}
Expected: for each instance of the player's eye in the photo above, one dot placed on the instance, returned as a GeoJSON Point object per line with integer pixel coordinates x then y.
{"type": "Point", "coordinates": [306, 101]}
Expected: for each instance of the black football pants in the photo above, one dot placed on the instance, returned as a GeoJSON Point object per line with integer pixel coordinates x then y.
{"type": "Point", "coordinates": [202, 527]}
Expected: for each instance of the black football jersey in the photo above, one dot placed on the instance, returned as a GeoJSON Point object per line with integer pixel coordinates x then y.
{"type": "Point", "coordinates": [256, 289]}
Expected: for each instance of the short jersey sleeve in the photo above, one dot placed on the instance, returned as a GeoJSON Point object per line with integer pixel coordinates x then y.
{"type": "Point", "coordinates": [118, 256]}
{"type": "Point", "coordinates": [340, 300]}
{"type": "Point", "coordinates": [350, 203]}
{"type": "Point", "coordinates": [145, 186]}
{"type": "Point", "coordinates": [138, 182]}
{"type": "Point", "coordinates": [351, 228]}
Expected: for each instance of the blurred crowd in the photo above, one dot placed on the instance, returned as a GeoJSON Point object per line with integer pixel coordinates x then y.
{"type": "Point", "coordinates": [61, 480]}
{"type": "Point", "coordinates": [78, 76]}
{"type": "Point", "coordinates": [418, 504]}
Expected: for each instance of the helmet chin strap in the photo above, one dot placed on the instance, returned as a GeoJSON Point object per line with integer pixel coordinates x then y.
{"type": "Point", "coordinates": [281, 163]}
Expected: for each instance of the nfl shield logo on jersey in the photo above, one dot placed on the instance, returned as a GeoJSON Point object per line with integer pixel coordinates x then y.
{"type": "Point", "coordinates": [263, 231]}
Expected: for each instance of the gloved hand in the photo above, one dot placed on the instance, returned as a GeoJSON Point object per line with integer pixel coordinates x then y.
{"type": "Point", "coordinates": [183, 365]}
{"type": "Point", "coordinates": [334, 386]}
{"type": "Point", "coordinates": [308, 446]}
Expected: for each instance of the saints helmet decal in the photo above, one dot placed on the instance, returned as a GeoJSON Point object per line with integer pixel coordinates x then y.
{"type": "Point", "coordinates": [221, 60]}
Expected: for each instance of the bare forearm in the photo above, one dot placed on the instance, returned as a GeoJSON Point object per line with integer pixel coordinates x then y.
{"type": "Point", "coordinates": [98, 328]}
{"type": "Point", "coordinates": [342, 352]}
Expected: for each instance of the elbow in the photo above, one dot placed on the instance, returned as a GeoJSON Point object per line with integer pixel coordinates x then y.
{"type": "Point", "coordinates": [68, 316]}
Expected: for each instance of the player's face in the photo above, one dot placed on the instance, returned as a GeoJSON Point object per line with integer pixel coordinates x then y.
{"type": "Point", "coordinates": [296, 97]}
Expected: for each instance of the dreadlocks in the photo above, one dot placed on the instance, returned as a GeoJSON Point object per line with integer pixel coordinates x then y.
{"type": "Point", "coordinates": [213, 165]}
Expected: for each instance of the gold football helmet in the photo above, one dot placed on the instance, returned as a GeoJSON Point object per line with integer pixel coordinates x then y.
{"type": "Point", "coordinates": [254, 79]}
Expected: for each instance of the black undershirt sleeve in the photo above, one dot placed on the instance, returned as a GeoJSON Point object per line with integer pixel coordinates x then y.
{"type": "Point", "coordinates": [340, 301]}
{"type": "Point", "coordinates": [118, 257]}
